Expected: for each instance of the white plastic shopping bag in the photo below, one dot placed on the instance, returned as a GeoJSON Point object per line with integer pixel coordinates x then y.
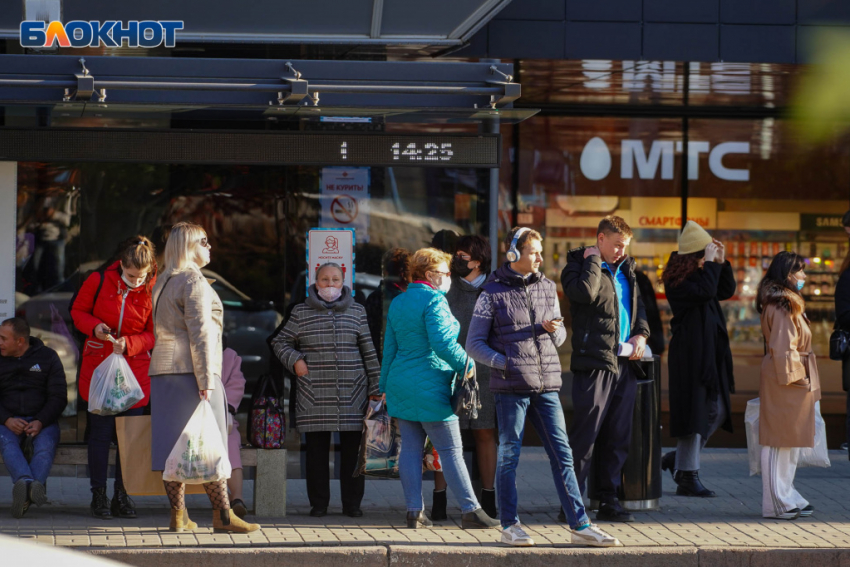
{"type": "Point", "coordinates": [816, 456]}
{"type": "Point", "coordinates": [199, 456]}
{"type": "Point", "coordinates": [751, 424]}
{"type": "Point", "coordinates": [113, 389]}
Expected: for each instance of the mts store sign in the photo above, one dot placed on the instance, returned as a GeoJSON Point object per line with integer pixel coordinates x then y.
{"type": "Point", "coordinates": [642, 162]}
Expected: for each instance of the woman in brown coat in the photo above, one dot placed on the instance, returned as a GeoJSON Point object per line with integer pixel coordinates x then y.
{"type": "Point", "coordinates": [789, 386]}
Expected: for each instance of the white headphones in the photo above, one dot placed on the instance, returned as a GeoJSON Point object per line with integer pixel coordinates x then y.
{"type": "Point", "coordinates": [514, 254]}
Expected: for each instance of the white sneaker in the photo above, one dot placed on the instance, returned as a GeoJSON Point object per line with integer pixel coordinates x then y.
{"type": "Point", "coordinates": [592, 535]}
{"type": "Point", "coordinates": [515, 535]}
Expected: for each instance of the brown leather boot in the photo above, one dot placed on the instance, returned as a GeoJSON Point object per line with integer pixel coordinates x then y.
{"type": "Point", "coordinates": [180, 521]}
{"type": "Point", "coordinates": [224, 522]}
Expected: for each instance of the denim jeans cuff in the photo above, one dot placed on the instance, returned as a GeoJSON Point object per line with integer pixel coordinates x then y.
{"type": "Point", "coordinates": [583, 524]}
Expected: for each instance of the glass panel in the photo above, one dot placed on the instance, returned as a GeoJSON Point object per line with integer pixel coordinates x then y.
{"type": "Point", "coordinates": [71, 216]}
{"type": "Point", "coordinates": [761, 192]}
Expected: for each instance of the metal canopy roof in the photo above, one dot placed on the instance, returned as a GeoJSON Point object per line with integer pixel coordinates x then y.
{"type": "Point", "coordinates": [436, 24]}
{"type": "Point", "coordinates": [210, 82]}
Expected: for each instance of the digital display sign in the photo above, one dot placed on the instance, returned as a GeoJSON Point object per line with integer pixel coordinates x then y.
{"type": "Point", "coordinates": [251, 148]}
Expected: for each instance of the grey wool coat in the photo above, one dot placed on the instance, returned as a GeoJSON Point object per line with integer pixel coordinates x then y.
{"type": "Point", "coordinates": [334, 341]}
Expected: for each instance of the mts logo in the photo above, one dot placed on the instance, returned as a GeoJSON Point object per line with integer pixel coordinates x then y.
{"type": "Point", "coordinates": [636, 158]}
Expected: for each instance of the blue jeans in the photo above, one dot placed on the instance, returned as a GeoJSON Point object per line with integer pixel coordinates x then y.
{"type": "Point", "coordinates": [445, 435]}
{"type": "Point", "coordinates": [547, 417]}
{"type": "Point", "coordinates": [44, 450]}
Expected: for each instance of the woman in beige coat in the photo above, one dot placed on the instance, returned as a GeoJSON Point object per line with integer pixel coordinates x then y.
{"type": "Point", "coordinates": [186, 367]}
{"type": "Point", "coordinates": [789, 386]}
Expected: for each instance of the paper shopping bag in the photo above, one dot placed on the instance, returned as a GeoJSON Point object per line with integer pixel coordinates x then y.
{"type": "Point", "coordinates": [134, 442]}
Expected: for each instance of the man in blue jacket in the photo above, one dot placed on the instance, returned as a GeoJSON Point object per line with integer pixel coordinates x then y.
{"type": "Point", "coordinates": [33, 394]}
{"type": "Point", "coordinates": [609, 330]}
{"type": "Point", "coordinates": [516, 328]}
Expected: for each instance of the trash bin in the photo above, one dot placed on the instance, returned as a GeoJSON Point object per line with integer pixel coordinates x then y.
{"type": "Point", "coordinates": [640, 487]}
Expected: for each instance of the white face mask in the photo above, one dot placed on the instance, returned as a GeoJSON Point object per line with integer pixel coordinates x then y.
{"type": "Point", "coordinates": [131, 286]}
{"type": "Point", "coordinates": [329, 294]}
{"type": "Point", "coordinates": [445, 285]}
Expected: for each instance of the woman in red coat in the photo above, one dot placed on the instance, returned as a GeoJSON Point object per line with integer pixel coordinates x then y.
{"type": "Point", "coordinates": [122, 309]}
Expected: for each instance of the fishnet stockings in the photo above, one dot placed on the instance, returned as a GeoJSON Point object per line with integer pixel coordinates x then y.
{"type": "Point", "coordinates": [217, 491]}
{"type": "Point", "coordinates": [176, 492]}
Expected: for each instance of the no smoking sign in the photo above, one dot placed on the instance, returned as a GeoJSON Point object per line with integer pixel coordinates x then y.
{"type": "Point", "coordinates": [345, 199]}
{"type": "Point", "coordinates": [344, 209]}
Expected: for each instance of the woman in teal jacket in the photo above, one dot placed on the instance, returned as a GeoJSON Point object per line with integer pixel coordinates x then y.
{"type": "Point", "coordinates": [421, 355]}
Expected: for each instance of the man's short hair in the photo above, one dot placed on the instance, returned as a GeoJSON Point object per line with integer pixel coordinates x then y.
{"type": "Point", "coordinates": [478, 248]}
{"type": "Point", "coordinates": [614, 225]}
{"type": "Point", "coordinates": [522, 240]}
{"type": "Point", "coordinates": [20, 328]}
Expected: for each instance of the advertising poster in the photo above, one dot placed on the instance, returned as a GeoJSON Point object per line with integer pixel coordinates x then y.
{"type": "Point", "coordinates": [330, 245]}
{"type": "Point", "coordinates": [345, 199]}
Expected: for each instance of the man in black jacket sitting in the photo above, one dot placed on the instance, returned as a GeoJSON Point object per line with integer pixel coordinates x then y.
{"type": "Point", "coordinates": [33, 394]}
{"type": "Point", "coordinates": [609, 328]}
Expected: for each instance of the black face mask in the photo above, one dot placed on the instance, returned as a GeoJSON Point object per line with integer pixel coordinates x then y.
{"type": "Point", "coordinates": [460, 267]}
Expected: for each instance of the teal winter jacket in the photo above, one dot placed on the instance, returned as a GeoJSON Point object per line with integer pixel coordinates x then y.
{"type": "Point", "coordinates": [421, 355]}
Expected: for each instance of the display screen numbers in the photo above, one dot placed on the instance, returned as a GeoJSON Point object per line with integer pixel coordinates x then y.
{"type": "Point", "coordinates": [425, 151]}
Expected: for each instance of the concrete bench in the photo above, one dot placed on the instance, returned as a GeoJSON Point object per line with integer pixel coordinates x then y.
{"type": "Point", "coordinates": [269, 477]}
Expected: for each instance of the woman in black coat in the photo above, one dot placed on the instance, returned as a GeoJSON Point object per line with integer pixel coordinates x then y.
{"type": "Point", "coordinates": [696, 280]}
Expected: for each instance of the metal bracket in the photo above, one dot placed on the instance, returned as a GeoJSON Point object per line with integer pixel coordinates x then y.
{"type": "Point", "coordinates": [512, 90]}
{"type": "Point", "coordinates": [85, 87]}
{"type": "Point", "coordinates": [297, 88]}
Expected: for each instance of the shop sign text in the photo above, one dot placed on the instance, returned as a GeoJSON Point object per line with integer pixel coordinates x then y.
{"type": "Point", "coordinates": [596, 163]}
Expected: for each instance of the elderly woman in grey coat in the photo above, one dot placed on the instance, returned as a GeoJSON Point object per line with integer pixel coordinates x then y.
{"type": "Point", "coordinates": [327, 344]}
{"type": "Point", "coordinates": [186, 367]}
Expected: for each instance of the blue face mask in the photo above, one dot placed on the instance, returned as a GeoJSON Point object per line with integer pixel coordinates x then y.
{"type": "Point", "coordinates": [800, 284]}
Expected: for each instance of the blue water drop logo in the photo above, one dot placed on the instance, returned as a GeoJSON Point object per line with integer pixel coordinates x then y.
{"type": "Point", "coordinates": [595, 159]}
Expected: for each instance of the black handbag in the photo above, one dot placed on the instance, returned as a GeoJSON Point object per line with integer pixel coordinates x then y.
{"type": "Point", "coordinates": [839, 343]}
{"type": "Point", "coordinates": [466, 399]}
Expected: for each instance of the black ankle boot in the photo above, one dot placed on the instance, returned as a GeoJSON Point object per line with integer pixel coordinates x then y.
{"type": "Point", "coordinates": [438, 506]}
{"type": "Point", "coordinates": [689, 485]}
{"type": "Point", "coordinates": [488, 502]}
{"type": "Point", "coordinates": [122, 505]}
{"type": "Point", "coordinates": [668, 463]}
{"type": "Point", "coordinates": [100, 504]}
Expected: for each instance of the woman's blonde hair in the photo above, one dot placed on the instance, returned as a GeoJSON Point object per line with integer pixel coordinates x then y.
{"type": "Point", "coordinates": [180, 246]}
{"type": "Point", "coordinates": [426, 260]}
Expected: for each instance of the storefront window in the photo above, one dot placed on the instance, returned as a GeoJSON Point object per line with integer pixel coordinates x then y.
{"type": "Point", "coordinates": [766, 195]}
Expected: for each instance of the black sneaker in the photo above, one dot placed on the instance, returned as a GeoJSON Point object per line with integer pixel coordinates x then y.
{"type": "Point", "coordinates": [319, 511]}
{"type": "Point", "coordinates": [613, 512]}
{"type": "Point", "coordinates": [20, 498]}
{"type": "Point", "coordinates": [562, 516]}
{"type": "Point", "coordinates": [37, 493]}
{"type": "Point", "coordinates": [807, 511]}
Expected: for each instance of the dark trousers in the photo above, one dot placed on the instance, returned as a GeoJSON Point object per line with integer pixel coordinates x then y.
{"type": "Point", "coordinates": [101, 435]}
{"type": "Point", "coordinates": [603, 403]}
{"type": "Point", "coordinates": [317, 447]}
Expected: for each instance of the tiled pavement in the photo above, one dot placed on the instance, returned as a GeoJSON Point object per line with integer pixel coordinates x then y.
{"type": "Point", "coordinates": [733, 519]}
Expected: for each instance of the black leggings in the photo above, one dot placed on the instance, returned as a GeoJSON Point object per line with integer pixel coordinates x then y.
{"type": "Point", "coordinates": [101, 435]}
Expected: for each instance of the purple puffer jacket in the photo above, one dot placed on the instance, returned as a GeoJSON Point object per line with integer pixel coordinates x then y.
{"type": "Point", "coordinates": [519, 305]}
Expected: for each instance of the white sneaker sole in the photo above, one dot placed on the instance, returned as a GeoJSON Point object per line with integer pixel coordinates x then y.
{"type": "Point", "coordinates": [529, 543]}
{"type": "Point", "coordinates": [595, 543]}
